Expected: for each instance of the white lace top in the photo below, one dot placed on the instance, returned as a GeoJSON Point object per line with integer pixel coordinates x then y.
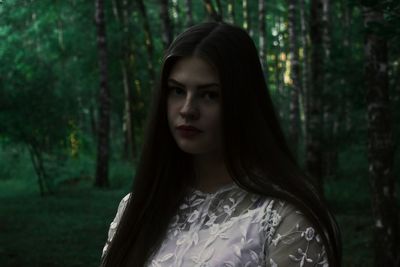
{"type": "Point", "coordinates": [232, 227]}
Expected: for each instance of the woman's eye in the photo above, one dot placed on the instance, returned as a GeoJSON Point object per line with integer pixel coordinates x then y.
{"type": "Point", "coordinates": [211, 95]}
{"type": "Point", "coordinates": [176, 90]}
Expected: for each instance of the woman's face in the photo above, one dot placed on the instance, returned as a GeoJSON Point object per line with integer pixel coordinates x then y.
{"type": "Point", "coordinates": [194, 106]}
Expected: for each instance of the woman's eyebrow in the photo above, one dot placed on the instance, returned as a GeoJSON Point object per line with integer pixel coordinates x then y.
{"type": "Point", "coordinates": [202, 86]}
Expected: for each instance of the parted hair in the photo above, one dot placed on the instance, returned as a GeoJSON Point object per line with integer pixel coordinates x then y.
{"type": "Point", "coordinates": [254, 148]}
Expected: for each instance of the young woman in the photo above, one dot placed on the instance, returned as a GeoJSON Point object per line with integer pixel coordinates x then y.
{"type": "Point", "coordinates": [216, 184]}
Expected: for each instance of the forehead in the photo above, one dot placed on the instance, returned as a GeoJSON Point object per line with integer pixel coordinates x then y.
{"type": "Point", "coordinates": [193, 70]}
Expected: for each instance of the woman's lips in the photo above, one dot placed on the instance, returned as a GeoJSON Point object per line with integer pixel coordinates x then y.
{"type": "Point", "coordinates": [188, 127]}
{"type": "Point", "coordinates": [188, 131]}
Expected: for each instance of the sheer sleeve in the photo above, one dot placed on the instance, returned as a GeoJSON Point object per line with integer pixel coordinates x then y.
{"type": "Point", "coordinates": [295, 241]}
{"type": "Point", "coordinates": [115, 222]}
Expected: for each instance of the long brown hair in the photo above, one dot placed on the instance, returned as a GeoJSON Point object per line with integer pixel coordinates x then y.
{"type": "Point", "coordinates": [257, 156]}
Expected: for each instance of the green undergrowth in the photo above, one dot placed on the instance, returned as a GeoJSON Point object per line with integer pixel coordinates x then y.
{"type": "Point", "coordinates": [69, 227]}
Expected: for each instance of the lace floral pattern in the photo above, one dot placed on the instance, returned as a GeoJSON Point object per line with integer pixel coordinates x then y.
{"type": "Point", "coordinates": [232, 227]}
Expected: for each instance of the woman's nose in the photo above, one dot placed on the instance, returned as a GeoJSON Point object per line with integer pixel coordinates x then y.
{"type": "Point", "coordinates": [189, 109]}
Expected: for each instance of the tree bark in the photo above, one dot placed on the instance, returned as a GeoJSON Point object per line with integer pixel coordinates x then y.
{"type": "Point", "coordinates": [219, 8]}
{"type": "Point", "coordinates": [231, 11]}
{"type": "Point", "coordinates": [294, 111]}
{"type": "Point", "coordinates": [314, 122]}
{"type": "Point", "coordinates": [166, 24]}
{"type": "Point", "coordinates": [262, 20]}
{"type": "Point", "coordinates": [176, 17]}
{"type": "Point", "coordinates": [246, 18]}
{"type": "Point", "coordinates": [103, 141]}
{"type": "Point", "coordinates": [189, 13]}
{"type": "Point", "coordinates": [38, 165]}
{"type": "Point", "coordinates": [122, 10]}
{"type": "Point", "coordinates": [92, 120]}
{"type": "Point", "coordinates": [128, 124]}
{"type": "Point", "coordinates": [380, 140]}
{"type": "Point", "coordinates": [148, 41]}
{"type": "Point", "coordinates": [305, 64]}
{"type": "Point", "coordinates": [212, 13]}
{"type": "Point", "coordinates": [344, 114]}
{"type": "Point", "coordinates": [396, 97]}
{"type": "Point", "coordinates": [330, 100]}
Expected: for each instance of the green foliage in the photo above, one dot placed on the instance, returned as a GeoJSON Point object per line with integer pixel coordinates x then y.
{"type": "Point", "coordinates": [121, 174]}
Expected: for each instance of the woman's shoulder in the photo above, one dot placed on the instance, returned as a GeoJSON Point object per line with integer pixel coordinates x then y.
{"type": "Point", "coordinates": [120, 211]}
{"type": "Point", "coordinates": [282, 215]}
{"type": "Point", "coordinates": [290, 236]}
{"type": "Point", "coordinates": [122, 205]}
{"type": "Point", "coordinates": [114, 224]}
{"type": "Point", "coordinates": [125, 199]}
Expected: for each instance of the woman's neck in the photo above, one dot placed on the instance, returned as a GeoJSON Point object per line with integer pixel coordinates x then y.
{"type": "Point", "coordinates": [210, 173]}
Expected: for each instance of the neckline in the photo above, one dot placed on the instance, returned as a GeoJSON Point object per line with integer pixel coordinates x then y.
{"type": "Point", "coordinates": [220, 189]}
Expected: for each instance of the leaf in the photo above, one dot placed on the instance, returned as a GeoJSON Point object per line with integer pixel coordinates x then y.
{"type": "Point", "coordinates": [197, 202]}
{"type": "Point", "coordinates": [293, 258]}
{"type": "Point", "coordinates": [183, 206]}
{"type": "Point", "coordinates": [166, 257]}
{"type": "Point", "coordinates": [208, 254]}
{"type": "Point", "coordinates": [243, 231]}
{"type": "Point", "coordinates": [254, 255]}
{"type": "Point", "coordinates": [195, 238]}
{"type": "Point", "coordinates": [181, 240]}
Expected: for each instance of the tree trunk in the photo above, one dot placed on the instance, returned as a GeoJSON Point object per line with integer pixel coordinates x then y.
{"type": "Point", "coordinates": [380, 140]}
{"type": "Point", "coordinates": [103, 130]}
{"type": "Point", "coordinates": [344, 112]}
{"type": "Point", "coordinates": [128, 125]}
{"type": "Point", "coordinates": [314, 122]}
{"type": "Point", "coordinates": [294, 111]}
{"type": "Point", "coordinates": [38, 165]}
{"type": "Point", "coordinates": [166, 25]}
{"type": "Point", "coordinates": [212, 13]}
{"type": "Point", "coordinates": [246, 18]}
{"type": "Point", "coordinates": [176, 17]}
{"type": "Point", "coordinates": [219, 8]}
{"type": "Point", "coordinates": [231, 11]}
{"type": "Point", "coordinates": [262, 35]}
{"type": "Point", "coordinates": [305, 75]}
{"type": "Point", "coordinates": [330, 100]}
{"type": "Point", "coordinates": [148, 41]}
{"type": "Point", "coordinates": [396, 97]}
{"type": "Point", "coordinates": [127, 65]}
{"type": "Point", "coordinates": [92, 119]}
{"type": "Point", "coordinates": [189, 13]}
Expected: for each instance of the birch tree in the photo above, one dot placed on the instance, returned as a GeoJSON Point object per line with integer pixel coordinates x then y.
{"type": "Point", "coordinates": [211, 11]}
{"type": "Point", "coordinates": [380, 139]}
{"type": "Point", "coordinates": [189, 13]}
{"type": "Point", "coordinates": [262, 21]}
{"type": "Point", "coordinates": [166, 24]}
{"type": "Point", "coordinates": [294, 111]}
{"type": "Point", "coordinates": [103, 130]}
{"type": "Point", "coordinates": [314, 121]}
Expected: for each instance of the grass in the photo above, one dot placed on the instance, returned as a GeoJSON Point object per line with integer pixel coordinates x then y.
{"type": "Point", "coordinates": [67, 229]}
{"type": "Point", "coordinates": [70, 227]}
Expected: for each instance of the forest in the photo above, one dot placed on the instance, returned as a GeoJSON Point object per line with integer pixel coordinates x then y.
{"type": "Point", "coordinates": [76, 80]}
